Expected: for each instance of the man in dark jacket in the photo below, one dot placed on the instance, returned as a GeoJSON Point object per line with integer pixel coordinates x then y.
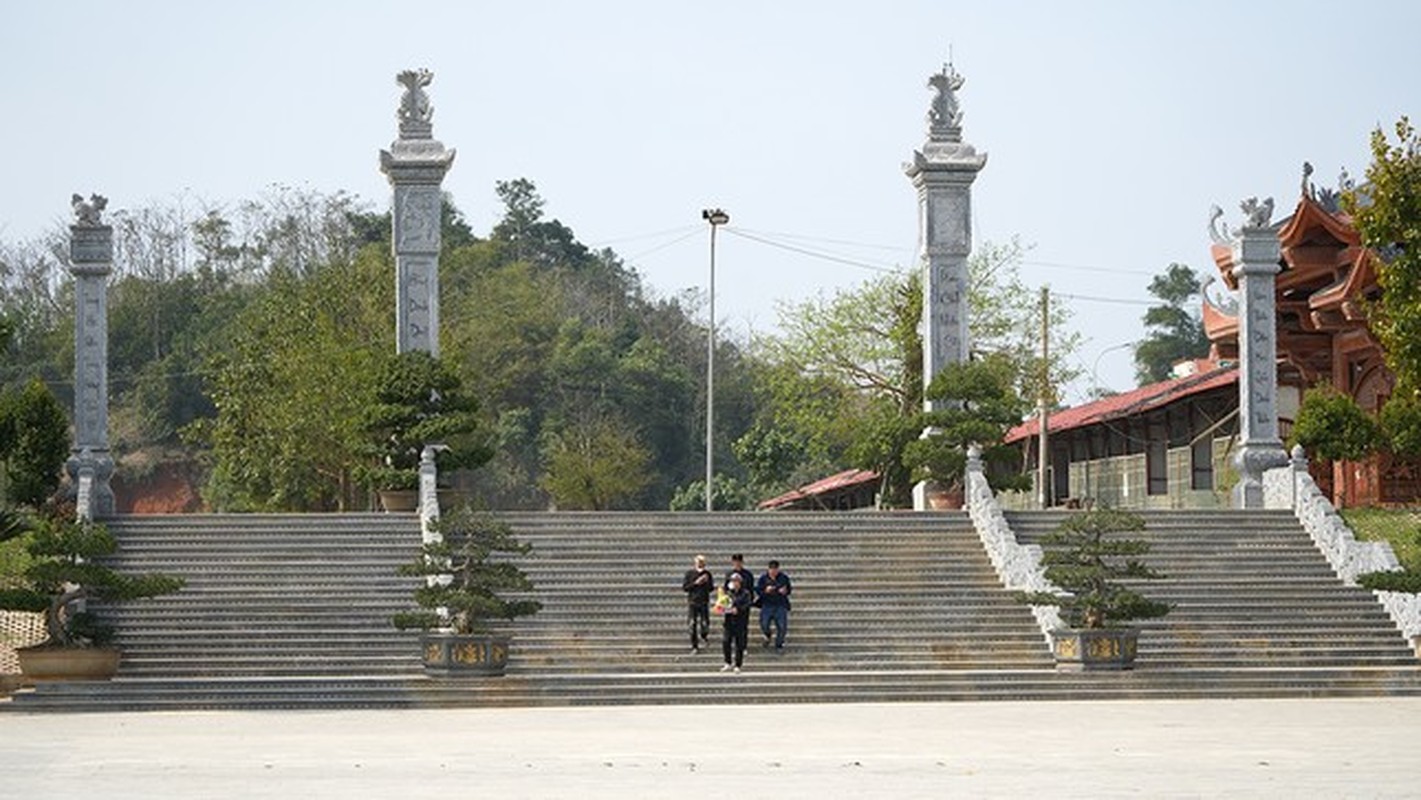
{"type": "Point", "coordinates": [737, 624]}
{"type": "Point", "coordinates": [773, 590]}
{"type": "Point", "coordinates": [737, 567]}
{"type": "Point", "coordinates": [697, 585]}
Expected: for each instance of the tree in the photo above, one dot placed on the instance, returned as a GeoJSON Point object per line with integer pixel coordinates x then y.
{"type": "Point", "coordinates": [34, 441]}
{"type": "Point", "coordinates": [293, 385]}
{"type": "Point", "coordinates": [1387, 213]}
{"type": "Point", "coordinates": [419, 401]}
{"type": "Point", "coordinates": [595, 465]}
{"type": "Point", "coordinates": [1331, 425]}
{"type": "Point", "coordinates": [977, 404]}
{"type": "Point", "coordinates": [1175, 331]}
{"type": "Point", "coordinates": [846, 373]}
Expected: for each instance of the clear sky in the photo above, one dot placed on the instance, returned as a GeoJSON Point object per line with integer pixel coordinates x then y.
{"type": "Point", "coordinates": [1111, 126]}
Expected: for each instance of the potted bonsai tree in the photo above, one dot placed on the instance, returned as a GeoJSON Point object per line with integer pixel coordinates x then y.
{"type": "Point", "coordinates": [64, 573]}
{"type": "Point", "coordinates": [976, 403]}
{"type": "Point", "coordinates": [419, 400]}
{"type": "Point", "coordinates": [1085, 557]}
{"type": "Point", "coordinates": [461, 600]}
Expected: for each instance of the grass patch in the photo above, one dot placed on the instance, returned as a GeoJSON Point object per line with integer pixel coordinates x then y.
{"type": "Point", "coordinates": [1399, 526]}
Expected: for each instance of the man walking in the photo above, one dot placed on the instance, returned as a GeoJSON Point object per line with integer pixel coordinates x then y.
{"type": "Point", "coordinates": [773, 590]}
{"type": "Point", "coordinates": [697, 585]}
{"type": "Point", "coordinates": [737, 567]}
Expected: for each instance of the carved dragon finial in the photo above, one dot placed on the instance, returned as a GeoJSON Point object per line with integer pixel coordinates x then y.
{"type": "Point", "coordinates": [945, 112]}
{"type": "Point", "coordinates": [1307, 188]}
{"type": "Point", "coordinates": [88, 213]}
{"type": "Point", "coordinates": [415, 112]}
{"type": "Point", "coordinates": [1257, 214]}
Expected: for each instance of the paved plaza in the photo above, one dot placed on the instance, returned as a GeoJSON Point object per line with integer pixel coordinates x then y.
{"type": "Point", "coordinates": [1244, 748]}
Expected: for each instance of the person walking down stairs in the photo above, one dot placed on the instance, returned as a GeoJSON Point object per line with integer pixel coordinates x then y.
{"type": "Point", "coordinates": [773, 590]}
{"type": "Point", "coordinates": [736, 610]}
{"type": "Point", "coordinates": [697, 584]}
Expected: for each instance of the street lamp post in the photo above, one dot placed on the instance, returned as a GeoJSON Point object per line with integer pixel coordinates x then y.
{"type": "Point", "coordinates": [716, 218]}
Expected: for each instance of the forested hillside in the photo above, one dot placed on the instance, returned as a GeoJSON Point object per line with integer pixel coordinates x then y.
{"type": "Point", "coordinates": [244, 341]}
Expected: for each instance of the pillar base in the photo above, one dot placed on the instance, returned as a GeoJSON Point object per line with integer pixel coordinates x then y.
{"type": "Point", "coordinates": [98, 466]}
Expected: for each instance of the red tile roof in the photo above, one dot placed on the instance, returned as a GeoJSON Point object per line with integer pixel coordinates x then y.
{"type": "Point", "coordinates": [843, 480]}
{"type": "Point", "coordinates": [1128, 403]}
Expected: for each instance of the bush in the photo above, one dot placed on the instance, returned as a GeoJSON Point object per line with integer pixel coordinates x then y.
{"type": "Point", "coordinates": [471, 581]}
{"type": "Point", "coordinates": [1082, 557]}
{"type": "Point", "coordinates": [1331, 425]}
{"type": "Point", "coordinates": [1399, 581]}
{"type": "Point", "coordinates": [64, 572]}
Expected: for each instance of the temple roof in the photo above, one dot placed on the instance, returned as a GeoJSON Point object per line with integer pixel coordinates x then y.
{"type": "Point", "coordinates": [1126, 404]}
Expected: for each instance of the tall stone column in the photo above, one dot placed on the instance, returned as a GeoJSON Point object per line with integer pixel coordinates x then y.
{"type": "Point", "coordinates": [942, 172]}
{"type": "Point", "coordinates": [90, 465]}
{"type": "Point", "coordinates": [1256, 264]}
{"type": "Point", "coordinates": [415, 165]}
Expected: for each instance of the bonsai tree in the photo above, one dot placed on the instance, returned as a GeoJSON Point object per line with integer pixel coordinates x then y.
{"type": "Point", "coordinates": [977, 403]}
{"type": "Point", "coordinates": [64, 571]}
{"type": "Point", "coordinates": [419, 400]}
{"type": "Point", "coordinates": [469, 579]}
{"type": "Point", "coordinates": [1084, 557]}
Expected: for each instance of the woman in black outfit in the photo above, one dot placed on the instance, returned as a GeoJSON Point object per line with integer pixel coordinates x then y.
{"type": "Point", "coordinates": [737, 624]}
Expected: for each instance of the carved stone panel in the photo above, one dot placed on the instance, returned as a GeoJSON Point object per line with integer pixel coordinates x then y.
{"type": "Point", "coordinates": [417, 219]}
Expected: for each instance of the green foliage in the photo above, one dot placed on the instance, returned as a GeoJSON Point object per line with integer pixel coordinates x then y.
{"type": "Point", "coordinates": [727, 494]}
{"type": "Point", "coordinates": [1331, 425]}
{"type": "Point", "coordinates": [1398, 527]}
{"type": "Point", "coordinates": [595, 465]}
{"type": "Point", "coordinates": [1387, 213]}
{"type": "Point", "coordinates": [976, 403]}
{"type": "Point", "coordinates": [66, 569]}
{"type": "Point", "coordinates": [34, 442]}
{"type": "Point", "coordinates": [1401, 424]}
{"type": "Point", "coordinates": [1085, 557]}
{"type": "Point", "coordinates": [1175, 329]}
{"type": "Point", "coordinates": [846, 375]}
{"type": "Point", "coordinates": [303, 344]}
{"type": "Point", "coordinates": [419, 400]}
{"type": "Point", "coordinates": [471, 580]}
{"type": "Point", "coordinates": [1398, 581]}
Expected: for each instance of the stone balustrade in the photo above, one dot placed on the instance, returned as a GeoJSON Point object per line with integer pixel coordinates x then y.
{"type": "Point", "coordinates": [1292, 487]}
{"type": "Point", "coordinates": [1018, 566]}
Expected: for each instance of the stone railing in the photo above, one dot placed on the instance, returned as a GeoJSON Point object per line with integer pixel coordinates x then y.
{"type": "Point", "coordinates": [1292, 487]}
{"type": "Point", "coordinates": [1018, 565]}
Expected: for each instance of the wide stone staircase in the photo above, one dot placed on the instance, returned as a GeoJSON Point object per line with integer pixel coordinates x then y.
{"type": "Point", "coordinates": [1251, 592]}
{"type": "Point", "coordinates": [293, 612]}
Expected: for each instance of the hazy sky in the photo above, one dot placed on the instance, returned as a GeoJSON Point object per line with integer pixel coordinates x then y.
{"type": "Point", "coordinates": [1111, 126]}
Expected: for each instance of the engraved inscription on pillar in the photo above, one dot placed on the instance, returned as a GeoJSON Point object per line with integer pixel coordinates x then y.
{"type": "Point", "coordinates": [949, 218]}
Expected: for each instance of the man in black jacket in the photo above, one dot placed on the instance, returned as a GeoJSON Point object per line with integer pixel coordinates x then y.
{"type": "Point", "coordinates": [773, 591]}
{"type": "Point", "coordinates": [697, 585]}
{"type": "Point", "coordinates": [737, 567]}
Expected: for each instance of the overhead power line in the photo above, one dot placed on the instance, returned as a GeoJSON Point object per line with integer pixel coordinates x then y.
{"type": "Point", "coordinates": [815, 253]}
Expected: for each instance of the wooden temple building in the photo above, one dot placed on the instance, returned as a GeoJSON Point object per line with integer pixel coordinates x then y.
{"type": "Point", "coordinates": [1168, 444]}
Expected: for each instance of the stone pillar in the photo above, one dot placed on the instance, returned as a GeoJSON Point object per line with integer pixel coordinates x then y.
{"type": "Point", "coordinates": [1256, 262]}
{"type": "Point", "coordinates": [90, 466]}
{"type": "Point", "coordinates": [942, 172]}
{"type": "Point", "coordinates": [415, 165]}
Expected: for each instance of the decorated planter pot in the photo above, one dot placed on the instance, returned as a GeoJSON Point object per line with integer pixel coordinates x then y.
{"type": "Point", "coordinates": [450, 655]}
{"type": "Point", "coordinates": [68, 663]}
{"type": "Point", "coordinates": [1079, 649]}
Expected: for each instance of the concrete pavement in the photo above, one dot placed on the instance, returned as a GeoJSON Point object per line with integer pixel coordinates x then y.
{"type": "Point", "coordinates": [1243, 748]}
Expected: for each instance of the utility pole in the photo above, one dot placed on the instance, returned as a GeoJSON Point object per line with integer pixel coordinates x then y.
{"type": "Point", "coordinates": [716, 217]}
{"type": "Point", "coordinates": [1043, 491]}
